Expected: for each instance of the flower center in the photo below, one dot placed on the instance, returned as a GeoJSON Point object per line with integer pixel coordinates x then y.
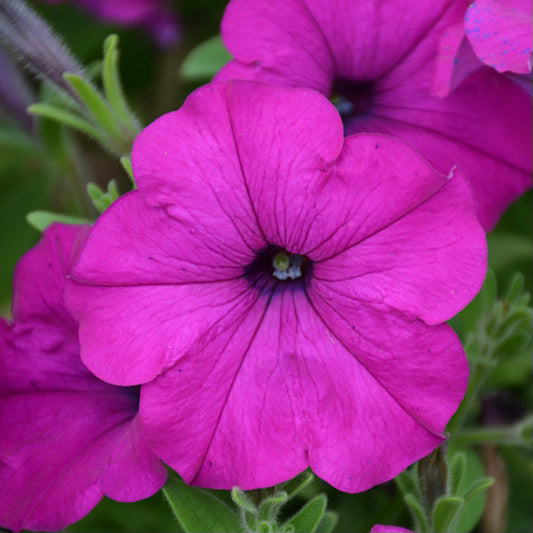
{"type": "Point", "coordinates": [287, 266]}
{"type": "Point", "coordinates": [275, 262]}
{"type": "Point", "coordinates": [353, 99]}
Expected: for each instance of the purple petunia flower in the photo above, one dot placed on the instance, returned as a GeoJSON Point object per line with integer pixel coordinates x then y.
{"type": "Point", "coordinates": [379, 60]}
{"type": "Point", "coordinates": [379, 528]}
{"type": "Point", "coordinates": [67, 438]}
{"type": "Point", "coordinates": [272, 284]}
{"type": "Point", "coordinates": [501, 33]}
{"type": "Point", "coordinates": [155, 16]}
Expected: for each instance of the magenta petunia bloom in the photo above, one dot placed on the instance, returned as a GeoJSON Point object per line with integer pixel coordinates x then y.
{"type": "Point", "coordinates": [67, 438]}
{"type": "Point", "coordinates": [501, 32]}
{"type": "Point", "coordinates": [273, 284]}
{"type": "Point", "coordinates": [378, 60]}
{"type": "Point", "coordinates": [379, 528]}
{"type": "Point", "coordinates": [156, 16]}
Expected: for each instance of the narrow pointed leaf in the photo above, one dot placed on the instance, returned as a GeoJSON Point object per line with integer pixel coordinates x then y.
{"type": "Point", "coordinates": [456, 471]}
{"type": "Point", "coordinates": [446, 513]}
{"type": "Point", "coordinates": [113, 86]}
{"type": "Point", "coordinates": [242, 500]}
{"type": "Point", "coordinates": [515, 288]}
{"type": "Point", "coordinates": [95, 103]}
{"type": "Point", "coordinates": [269, 507]}
{"type": "Point", "coordinates": [198, 510]}
{"type": "Point", "coordinates": [298, 483]}
{"type": "Point", "coordinates": [67, 118]}
{"type": "Point", "coordinates": [40, 220]}
{"type": "Point", "coordinates": [418, 513]}
{"type": "Point", "coordinates": [309, 516]}
{"type": "Point", "coordinates": [406, 483]}
{"type": "Point", "coordinates": [125, 161]}
{"type": "Point", "coordinates": [480, 485]}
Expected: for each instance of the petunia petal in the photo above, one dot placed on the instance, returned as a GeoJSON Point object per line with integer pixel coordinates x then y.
{"type": "Point", "coordinates": [216, 161]}
{"type": "Point", "coordinates": [379, 528]}
{"type": "Point", "coordinates": [291, 44]}
{"type": "Point", "coordinates": [39, 277]}
{"type": "Point", "coordinates": [500, 33]}
{"type": "Point", "coordinates": [394, 349]}
{"type": "Point", "coordinates": [152, 248]}
{"type": "Point", "coordinates": [307, 42]}
{"type": "Point", "coordinates": [133, 459]}
{"type": "Point", "coordinates": [346, 205]}
{"type": "Point", "coordinates": [130, 334]}
{"type": "Point", "coordinates": [54, 470]}
{"type": "Point", "coordinates": [485, 133]}
{"type": "Point", "coordinates": [428, 263]}
{"type": "Point", "coordinates": [297, 397]}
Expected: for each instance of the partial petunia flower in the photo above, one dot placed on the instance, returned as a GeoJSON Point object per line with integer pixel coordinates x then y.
{"type": "Point", "coordinates": [280, 292]}
{"type": "Point", "coordinates": [501, 33]}
{"type": "Point", "coordinates": [155, 16]}
{"type": "Point", "coordinates": [67, 438]}
{"type": "Point", "coordinates": [378, 61]}
{"type": "Point", "coordinates": [380, 528]}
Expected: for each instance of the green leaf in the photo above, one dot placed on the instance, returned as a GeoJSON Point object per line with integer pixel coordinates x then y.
{"type": "Point", "coordinates": [95, 103]}
{"type": "Point", "coordinates": [205, 60]}
{"type": "Point", "coordinates": [125, 161]}
{"type": "Point", "coordinates": [112, 191]}
{"type": "Point", "coordinates": [456, 472]}
{"type": "Point", "coordinates": [40, 220]}
{"type": "Point", "coordinates": [515, 288]}
{"type": "Point", "coordinates": [100, 199]}
{"type": "Point", "coordinates": [113, 86]}
{"type": "Point", "coordinates": [418, 513]}
{"type": "Point", "coordinates": [198, 510]}
{"type": "Point", "coordinates": [67, 118]}
{"type": "Point", "coordinates": [270, 506]}
{"type": "Point", "coordinates": [241, 499]}
{"type": "Point", "coordinates": [309, 516]}
{"type": "Point", "coordinates": [473, 508]}
{"type": "Point", "coordinates": [327, 522]}
{"type": "Point", "coordinates": [298, 483]}
{"type": "Point", "coordinates": [479, 486]}
{"type": "Point", "coordinates": [445, 513]}
{"type": "Point", "coordinates": [406, 482]}
{"type": "Point", "coordinates": [512, 345]}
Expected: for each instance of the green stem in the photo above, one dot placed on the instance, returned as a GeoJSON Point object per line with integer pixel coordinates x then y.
{"type": "Point", "coordinates": [481, 369]}
{"type": "Point", "coordinates": [506, 435]}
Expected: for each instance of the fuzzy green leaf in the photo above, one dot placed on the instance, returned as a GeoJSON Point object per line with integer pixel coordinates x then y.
{"type": "Point", "coordinates": [481, 485]}
{"type": "Point", "coordinates": [241, 499]}
{"type": "Point", "coordinates": [40, 220]}
{"type": "Point", "coordinates": [270, 506]}
{"type": "Point", "coordinates": [456, 471]}
{"type": "Point", "coordinates": [418, 513]}
{"type": "Point", "coordinates": [205, 60]}
{"type": "Point", "coordinates": [125, 161]}
{"type": "Point", "coordinates": [198, 510]}
{"type": "Point", "coordinates": [67, 118]}
{"type": "Point", "coordinates": [309, 516]}
{"type": "Point", "coordinates": [113, 86]}
{"type": "Point", "coordinates": [446, 513]}
{"type": "Point", "coordinates": [95, 103]}
{"type": "Point", "coordinates": [298, 483]}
